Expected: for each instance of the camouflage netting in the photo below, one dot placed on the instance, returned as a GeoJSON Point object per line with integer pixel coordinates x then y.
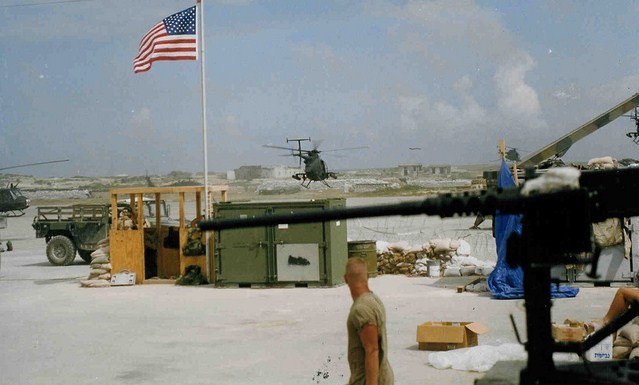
{"type": "Point", "coordinates": [451, 256]}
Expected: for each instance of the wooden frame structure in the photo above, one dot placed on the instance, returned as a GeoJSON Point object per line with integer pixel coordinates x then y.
{"type": "Point", "coordinates": [128, 248]}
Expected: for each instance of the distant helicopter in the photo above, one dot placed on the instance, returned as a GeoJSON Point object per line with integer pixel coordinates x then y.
{"type": "Point", "coordinates": [12, 201]}
{"type": "Point", "coordinates": [512, 154]}
{"type": "Point", "coordinates": [315, 169]}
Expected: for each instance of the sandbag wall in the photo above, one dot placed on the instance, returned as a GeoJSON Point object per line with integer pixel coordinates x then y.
{"type": "Point", "coordinates": [100, 274]}
{"type": "Point", "coordinates": [452, 256]}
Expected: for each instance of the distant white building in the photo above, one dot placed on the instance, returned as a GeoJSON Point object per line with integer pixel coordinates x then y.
{"type": "Point", "coordinates": [412, 170]}
{"type": "Point", "coordinates": [438, 169]}
{"type": "Point", "coordinates": [282, 172]}
{"type": "Point", "coordinates": [415, 170]}
{"type": "Point", "coordinates": [258, 172]}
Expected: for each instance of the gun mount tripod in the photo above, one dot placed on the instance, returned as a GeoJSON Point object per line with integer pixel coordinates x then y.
{"type": "Point", "coordinates": [556, 229]}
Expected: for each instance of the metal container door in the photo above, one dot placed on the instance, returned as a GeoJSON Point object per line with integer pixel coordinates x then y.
{"type": "Point", "coordinates": [300, 249]}
{"type": "Point", "coordinates": [241, 255]}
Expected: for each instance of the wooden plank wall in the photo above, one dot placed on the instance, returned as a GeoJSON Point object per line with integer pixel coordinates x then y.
{"type": "Point", "coordinates": [125, 249]}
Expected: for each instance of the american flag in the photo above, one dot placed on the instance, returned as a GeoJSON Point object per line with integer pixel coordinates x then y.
{"type": "Point", "coordinates": [174, 38]}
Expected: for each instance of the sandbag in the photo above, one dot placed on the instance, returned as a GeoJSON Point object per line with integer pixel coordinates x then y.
{"type": "Point", "coordinates": [608, 232]}
{"type": "Point", "coordinates": [631, 333]}
{"type": "Point", "coordinates": [621, 352]}
{"type": "Point", "coordinates": [452, 271]}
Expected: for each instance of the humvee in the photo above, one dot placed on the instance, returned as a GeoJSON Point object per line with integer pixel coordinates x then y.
{"type": "Point", "coordinates": [79, 228]}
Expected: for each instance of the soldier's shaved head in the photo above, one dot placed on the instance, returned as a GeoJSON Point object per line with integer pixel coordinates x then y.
{"type": "Point", "coordinates": [356, 271]}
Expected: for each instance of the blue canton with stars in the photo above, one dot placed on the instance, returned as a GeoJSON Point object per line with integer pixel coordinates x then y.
{"type": "Point", "coordinates": [181, 23]}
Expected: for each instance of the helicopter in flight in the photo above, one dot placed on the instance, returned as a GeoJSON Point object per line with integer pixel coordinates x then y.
{"type": "Point", "coordinates": [315, 169]}
{"type": "Point", "coordinates": [12, 201]}
{"type": "Point", "coordinates": [512, 154]}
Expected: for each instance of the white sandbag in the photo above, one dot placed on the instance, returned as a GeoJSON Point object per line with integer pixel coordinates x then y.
{"type": "Point", "coordinates": [99, 253]}
{"type": "Point", "coordinates": [555, 179]}
{"type": "Point", "coordinates": [382, 247]}
{"type": "Point", "coordinates": [608, 233]}
{"type": "Point", "coordinates": [467, 270]}
{"type": "Point", "coordinates": [604, 162]}
{"type": "Point", "coordinates": [440, 245]}
{"type": "Point", "coordinates": [484, 270]}
{"type": "Point", "coordinates": [414, 249]}
{"type": "Point", "coordinates": [400, 246]}
{"type": "Point", "coordinates": [464, 248]}
{"type": "Point", "coordinates": [452, 271]}
{"type": "Point", "coordinates": [100, 260]}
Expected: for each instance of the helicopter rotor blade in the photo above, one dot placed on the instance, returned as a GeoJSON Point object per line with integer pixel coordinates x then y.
{"type": "Point", "coordinates": [347, 149]}
{"type": "Point", "coordinates": [294, 151]}
{"type": "Point", "coordinates": [35, 164]}
{"type": "Point", "coordinates": [279, 147]}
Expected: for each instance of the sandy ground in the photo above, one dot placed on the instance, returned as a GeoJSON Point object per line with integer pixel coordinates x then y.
{"type": "Point", "coordinates": [55, 332]}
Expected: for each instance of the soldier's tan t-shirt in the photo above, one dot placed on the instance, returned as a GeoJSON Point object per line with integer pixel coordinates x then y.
{"type": "Point", "coordinates": [367, 309]}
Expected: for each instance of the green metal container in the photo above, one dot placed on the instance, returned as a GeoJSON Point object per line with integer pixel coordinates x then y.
{"type": "Point", "coordinates": [366, 250]}
{"type": "Point", "coordinates": [306, 254]}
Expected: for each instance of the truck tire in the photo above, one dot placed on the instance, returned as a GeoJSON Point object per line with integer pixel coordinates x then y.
{"type": "Point", "coordinates": [85, 255]}
{"type": "Point", "coordinates": [60, 250]}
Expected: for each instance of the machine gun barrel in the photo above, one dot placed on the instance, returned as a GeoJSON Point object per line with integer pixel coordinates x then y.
{"type": "Point", "coordinates": [603, 194]}
{"type": "Point", "coordinates": [444, 206]}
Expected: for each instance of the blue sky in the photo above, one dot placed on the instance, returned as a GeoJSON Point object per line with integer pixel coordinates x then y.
{"type": "Point", "coordinates": [452, 77]}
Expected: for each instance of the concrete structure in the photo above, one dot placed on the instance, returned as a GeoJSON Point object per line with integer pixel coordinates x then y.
{"type": "Point", "coordinates": [248, 172]}
{"type": "Point", "coordinates": [438, 169]}
{"type": "Point", "coordinates": [258, 172]}
{"type": "Point", "coordinates": [412, 170]}
{"type": "Point", "coordinates": [415, 170]}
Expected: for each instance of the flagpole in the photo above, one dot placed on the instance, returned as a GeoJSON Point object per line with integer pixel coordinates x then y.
{"type": "Point", "coordinates": [207, 209]}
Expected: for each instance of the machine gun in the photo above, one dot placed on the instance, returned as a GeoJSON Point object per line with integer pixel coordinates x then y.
{"type": "Point", "coordinates": [556, 229]}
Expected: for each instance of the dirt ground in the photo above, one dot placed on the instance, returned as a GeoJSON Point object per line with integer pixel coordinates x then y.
{"type": "Point", "coordinates": [54, 331]}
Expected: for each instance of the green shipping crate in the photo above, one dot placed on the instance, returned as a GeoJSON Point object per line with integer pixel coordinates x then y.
{"type": "Point", "coordinates": [306, 254]}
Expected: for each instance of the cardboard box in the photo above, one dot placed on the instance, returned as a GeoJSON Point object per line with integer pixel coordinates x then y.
{"type": "Point", "coordinates": [602, 351]}
{"type": "Point", "coordinates": [568, 332]}
{"type": "Point", "coordinates": [448, 335]}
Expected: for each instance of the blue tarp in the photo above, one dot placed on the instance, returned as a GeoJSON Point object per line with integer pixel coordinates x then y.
{"type": "Point", "coordinates": [507, 282]}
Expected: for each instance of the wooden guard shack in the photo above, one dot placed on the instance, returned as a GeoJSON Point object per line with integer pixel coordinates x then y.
{"type": "Point", "coordinates": [154, 248]}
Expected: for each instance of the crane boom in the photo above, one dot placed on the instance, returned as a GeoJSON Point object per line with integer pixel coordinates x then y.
{"type": "Point", "coordinates": [563, 144]}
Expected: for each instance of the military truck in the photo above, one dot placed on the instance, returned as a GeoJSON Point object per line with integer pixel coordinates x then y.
{"type": "Point", "coordinates": [79, 228]}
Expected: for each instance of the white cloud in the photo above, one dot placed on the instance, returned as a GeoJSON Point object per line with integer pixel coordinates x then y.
{"type": "Point", "coordinates": [515, 96]}
{"type": "Point", "coordinates": [448, 31]}
{"type": "Point", "coordinates": [440, 118]}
